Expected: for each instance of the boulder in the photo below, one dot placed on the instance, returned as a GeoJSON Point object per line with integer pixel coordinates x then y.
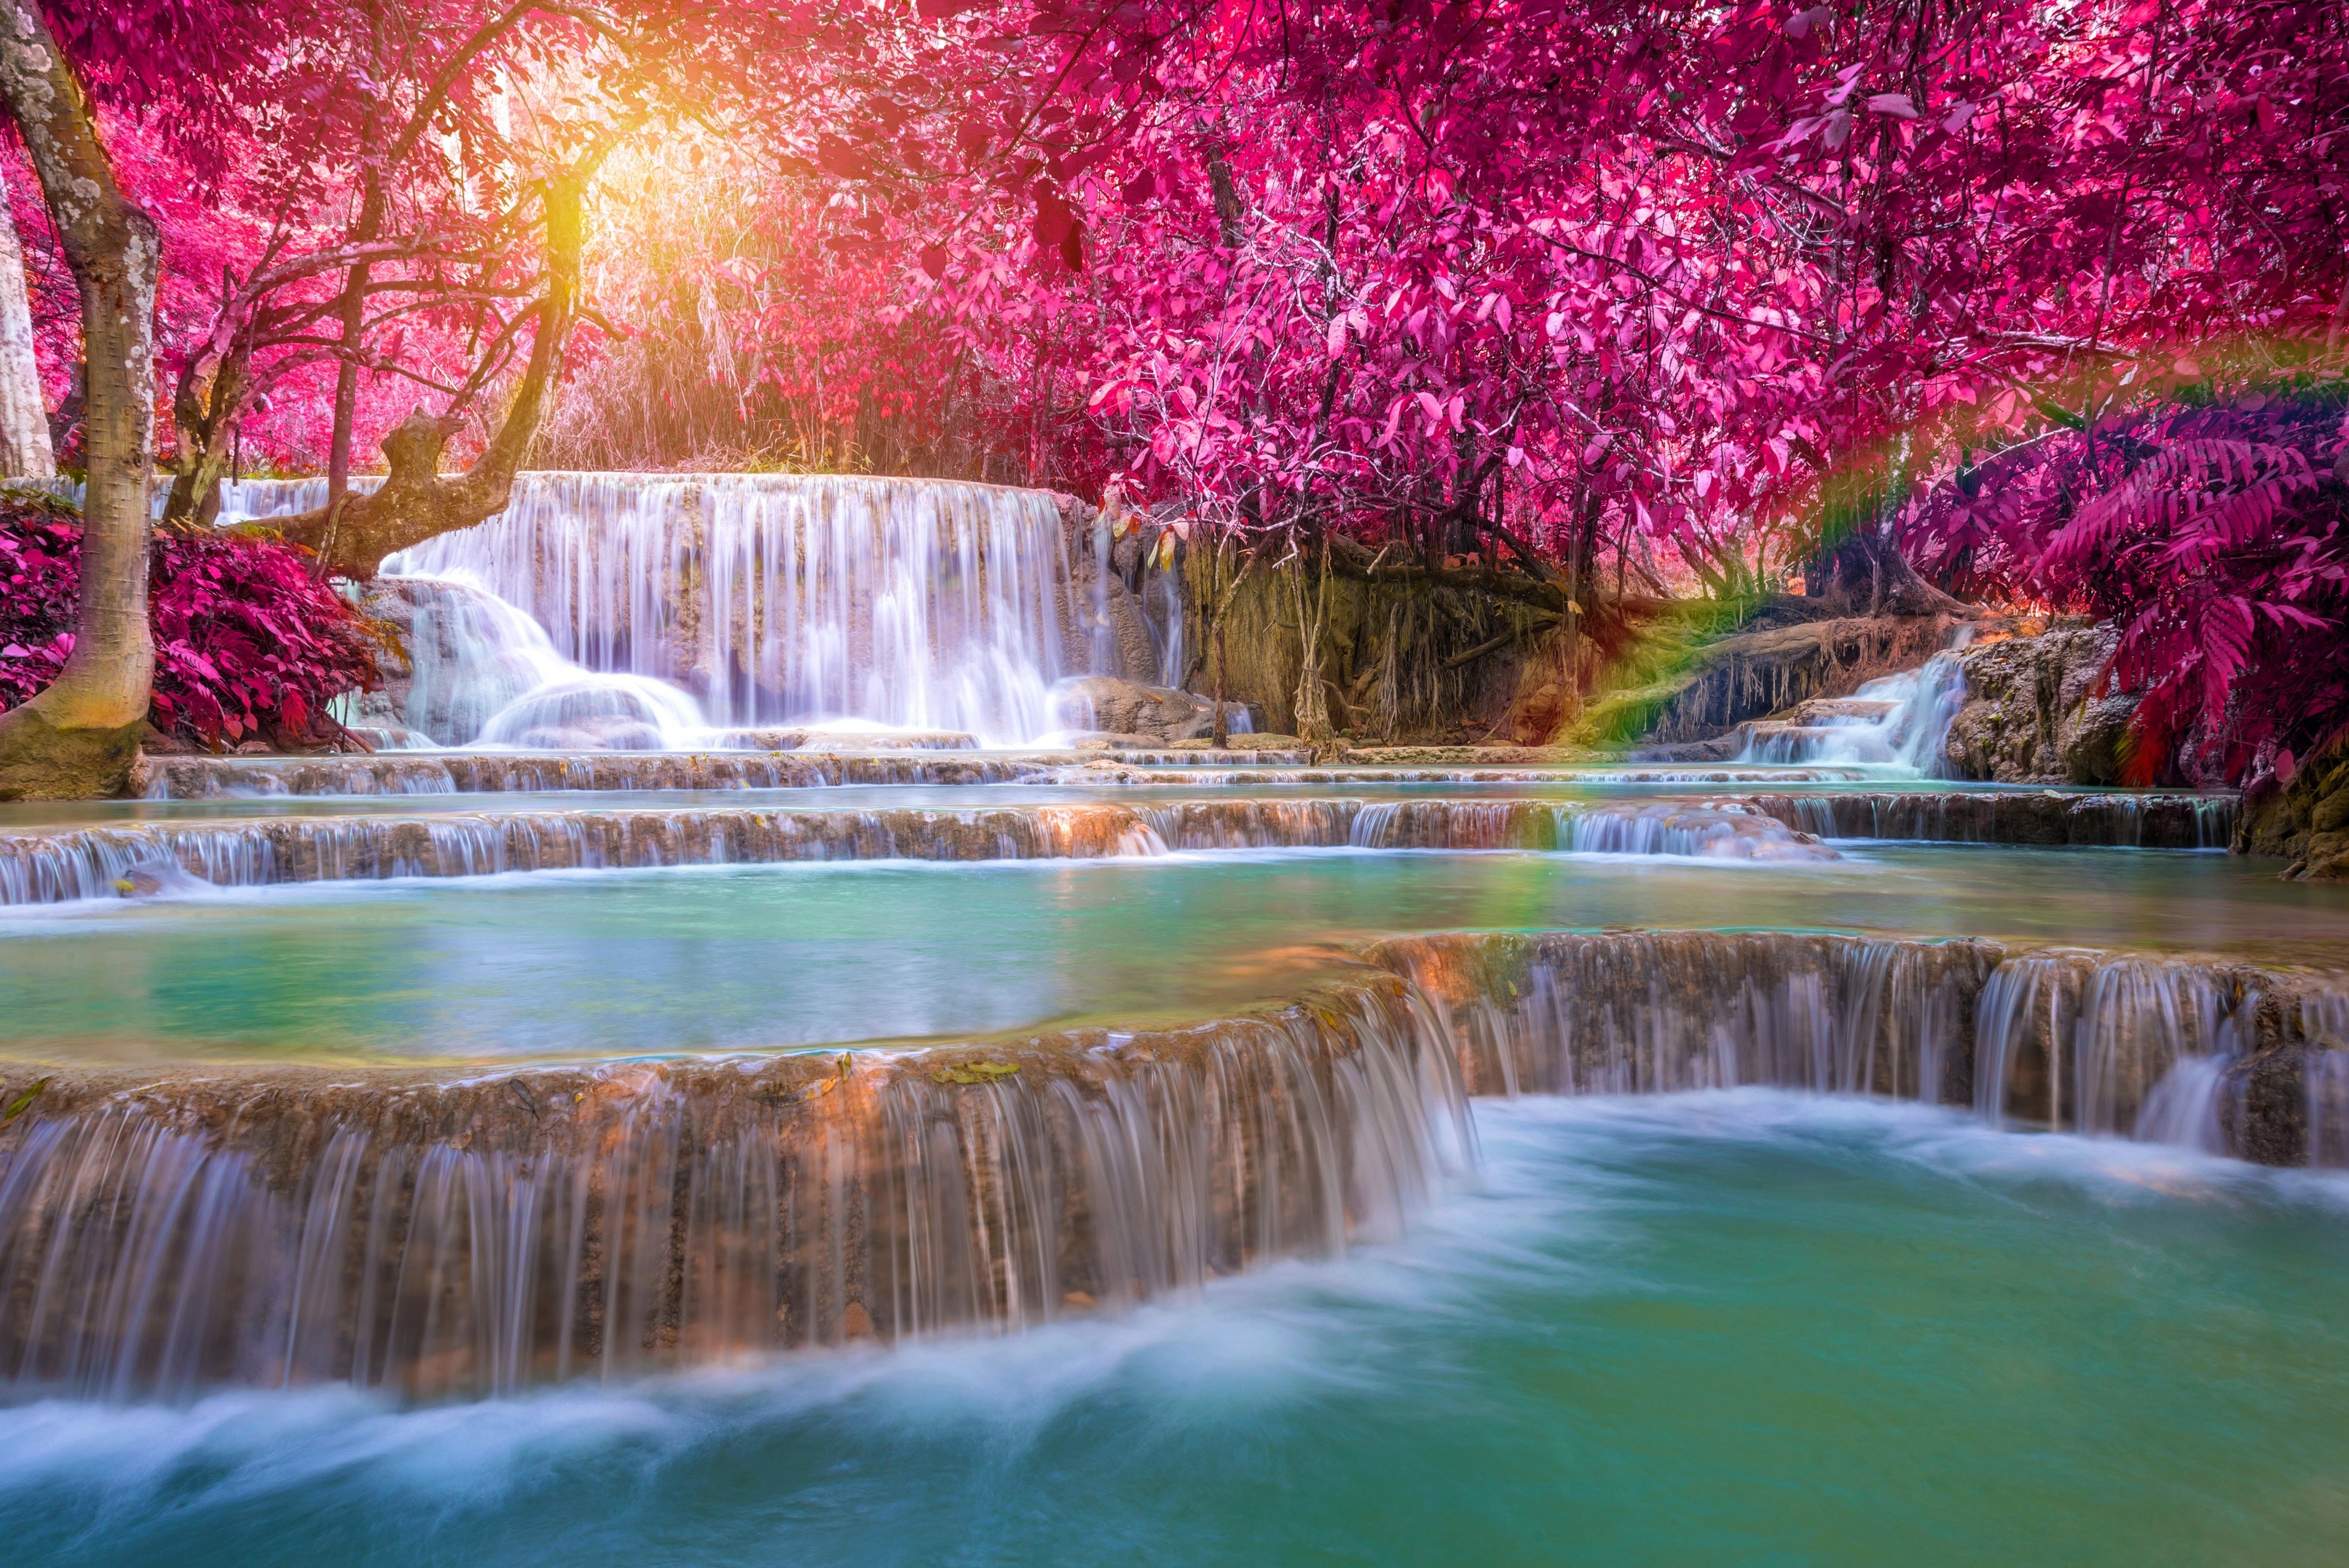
{"type": "Point", "coordinates": [2032, 714]}
{"type": "Point", "coordinates": [1156, 714]}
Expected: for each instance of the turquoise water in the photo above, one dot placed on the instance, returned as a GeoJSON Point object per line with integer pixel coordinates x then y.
{"type": "Point", "coordinates": [1737, 1327]}
{"type": "Point", "coordinates": [1743, 1328]}
{"type": "Point", "coordinates": [629, 963]}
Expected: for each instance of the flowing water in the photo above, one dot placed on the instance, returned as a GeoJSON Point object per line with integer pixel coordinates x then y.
{"type": "Point", "coordinates": [642, 611]}
{"type": "Point", "coordinates": [593, 963]}
{"type": "Point", "coordinates": [796, 1149]}
{"type": "Point", "coordinates": [1898, 721]}
{"type": "Point", "coordinates": [1743, 1327]}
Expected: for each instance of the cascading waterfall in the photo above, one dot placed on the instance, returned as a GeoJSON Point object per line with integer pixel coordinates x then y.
{"type": "Point", "coordinates": [1661, 1012]}
{"type": "Point", "coordinates": [656, 609]}
{"type": "Point", "coordinates": [2177, 822]}
{"type": "Point", "coordinates": [2132, 1047]}
{"type": "Point", "coordinates": [2324, 1023]}
{"type": "Point", "coordinates": [1899, 721]}
{"type": "Point", "coordinates": [63, 866]}
{"type": "Point", "coordinates": [472, 1237]}
{"type": "Point", "coordinates": [198, 778]}
{"type": "Point", "coordinates": [60, 865]}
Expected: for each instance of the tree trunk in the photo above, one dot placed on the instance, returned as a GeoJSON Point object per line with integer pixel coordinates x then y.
{"type": "Point", "coordinates": [1219, 731]}
{"type": "Point", "coordinates": [1312, 699]}
{"type": "Point", "coordinates": [1864, 573]}
{"type": "Point", "coordinates": [416, 501]}
{"type": "Point", "coordinates": [205, 419]}
{"type": "Point", "coordinates": [25, 450]}
{"type": "Point", "coordinates": [80, 735]}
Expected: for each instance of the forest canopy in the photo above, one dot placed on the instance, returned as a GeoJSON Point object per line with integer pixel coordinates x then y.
{"type": "Point", "coordinates": [2051, 301]}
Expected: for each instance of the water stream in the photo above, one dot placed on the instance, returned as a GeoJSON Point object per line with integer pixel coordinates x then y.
{"type": "Point", "coordinates": [1645, 1335]}
{"type": "Point", "coordinates": [1898, 722]}
{"type": "Point", "coordinates": [666, 1121]}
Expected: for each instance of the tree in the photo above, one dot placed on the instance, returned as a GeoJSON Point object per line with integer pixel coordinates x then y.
{"type": "Point", "coordinates": [79, 737]}
{"type": "Point", "coordinates": [352, 534]}
{"type": "Point", "coordinates": [25, 451]}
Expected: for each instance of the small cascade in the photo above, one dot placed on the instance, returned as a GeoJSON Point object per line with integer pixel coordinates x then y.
{"type": "Point", "coordinates": [2148, 821]}
{"type": "Point", "coordinates": [727, 767]}
{"type": "Point", "coordinates": [1726, 830]}
{"type": "Point", "coordinates": [1899, 721]}
{"type": "Point", "coordinates": [484, 674]}
{"type": "Point", "coordinates": [1718, 830]}
{"type": "Point", "coordinates": [1659, 1012]}
{"type": "Point", "coordinates": [472, 1239]}
{"type": "Point", "coordinates": [2324, 1077]}
{"type": "Point", "coordinates": [472, 773]}
{"type": "Point", "coordinates": [2189, 1108]}
{"type": "Point", "coordinates": [63, 866]}
{"type": "Point", "coordinates": [102, 862]}
{"type": "Point", "coordinates": [271, 1226]}
{"type": "Point", "coordinates": [49, 866]}
{"type": "Point", "coordinates": [2131, 1047]}
{"type": "Point", "coordinates": [2220, 1057]}
{"type": "Point", "coordinates": [259, 499]}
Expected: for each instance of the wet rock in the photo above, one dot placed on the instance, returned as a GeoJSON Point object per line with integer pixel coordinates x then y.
{"type": "Point", "coordinates": [2305, 823]}
{"type": "Point", "coordinates": [152, 879]}
{"type": "Point", "coordinates": [2032, 714]}
{"type": "Point", "coordinates": [1157, 714]}
{"type": "Point", "coordinates": [2263, 1107]}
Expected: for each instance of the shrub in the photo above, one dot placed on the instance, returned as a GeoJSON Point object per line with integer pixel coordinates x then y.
{"type": "Point", "coordinates": [248, 645]}
{"type": "Point", "coordinates": [2215, 537]}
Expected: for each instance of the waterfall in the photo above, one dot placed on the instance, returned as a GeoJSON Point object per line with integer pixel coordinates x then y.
{"type": "Point", "coordinates": [64, 865]}
{"type": "Point", "coordinates": [471, 1237]}
{"type": "Point", "coordinates": [2115, 1046]}
{"type": "Point", "coordinates": [2173, 821]}
{"type": "Point", "coordinates": [49, 865]}
{"type": "Point", "coordinates": [1661, 1012]}
{"type": "Point", "coordinates": [196, 778]}
{"type": "Point", "coordinates": [2324, 1086]}
{"type": "Point", "coordinates": [656, 609]}
{"type": "Point", "coordinates": [1899, 721]}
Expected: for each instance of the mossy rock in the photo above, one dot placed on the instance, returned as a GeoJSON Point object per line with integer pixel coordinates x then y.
{"type": "Point", "coordinates": [2305, 823]}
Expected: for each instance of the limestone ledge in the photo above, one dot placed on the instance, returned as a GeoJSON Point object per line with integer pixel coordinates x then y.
{"type": "Point", "coordinates": [473, 1230]}
{"type": "Point", "coordinates": [181, 777]}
